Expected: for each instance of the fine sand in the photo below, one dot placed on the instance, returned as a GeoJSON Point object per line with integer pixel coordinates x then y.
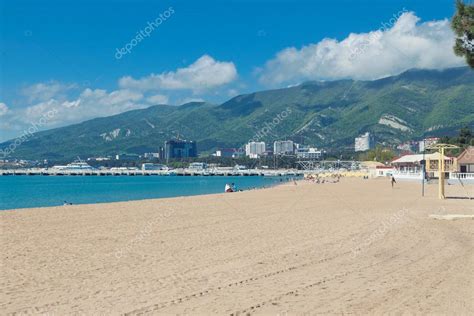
{"type": "Point", "coordinates": [355, 247]}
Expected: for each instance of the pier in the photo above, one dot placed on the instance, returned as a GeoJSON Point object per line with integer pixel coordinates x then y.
{"type": "Point", "coordinates": [138, 172]}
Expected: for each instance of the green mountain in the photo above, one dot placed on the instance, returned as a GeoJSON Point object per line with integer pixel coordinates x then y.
{"type": "Point", "coordinates": [324, 114]}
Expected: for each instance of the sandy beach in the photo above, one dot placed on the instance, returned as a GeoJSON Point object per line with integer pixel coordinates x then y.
{"type": "Point", "coordinates": [355, 247]}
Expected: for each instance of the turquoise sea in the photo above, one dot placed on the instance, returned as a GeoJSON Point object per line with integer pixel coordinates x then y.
{"type": "Point", "coordinates": [37, 191]}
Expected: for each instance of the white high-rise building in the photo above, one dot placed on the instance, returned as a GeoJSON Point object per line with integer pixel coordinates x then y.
{"type": "Point", "coordinates": [254, 149]}
{"type": "Point", "coordinates": [364, 142]}
{"type": "Point", "coordinates": [283, 147]}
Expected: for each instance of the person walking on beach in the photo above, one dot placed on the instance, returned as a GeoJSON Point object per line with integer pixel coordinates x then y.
{"type": "Point", "coordinates": [393, 181]}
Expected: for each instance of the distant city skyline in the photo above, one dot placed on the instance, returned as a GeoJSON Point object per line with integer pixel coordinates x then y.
{"type": "Point", "coordinates": [98, 58]}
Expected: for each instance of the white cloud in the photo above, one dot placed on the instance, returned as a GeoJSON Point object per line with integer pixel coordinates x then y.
{"type": "Point", "coordinates": [404, 44]}
{"type": "Point", "coordinates": [72, 104]}
{"type": "Point", "coordinates": [35, 112]}
{"type": "Point", "coordinates": [89, 104]}
{"type": "Point", "coordinates": [3, 109]}
{"type": "Point", "coordinates": [45, 91]}
{"type": "Point", "coordinates": [69, 107]}
{"type": "Point", "coordinates": [98, 102]}
{"type": "Point", "coordinates": [113, 99]}
{"type": "Point", "coordinates": [189, 100]}
{"type": "Point", "coordinates": [204, 74]}
{"type": "Point", "coordinates": [158, 99]}
{"type": "Point", "coordinates": [232, 92]}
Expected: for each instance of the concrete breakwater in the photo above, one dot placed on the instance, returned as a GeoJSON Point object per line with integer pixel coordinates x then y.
{"type": "Point", "coordinates": [137, 172]}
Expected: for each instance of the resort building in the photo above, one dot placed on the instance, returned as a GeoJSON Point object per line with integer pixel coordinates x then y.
{"type": "Point", "coordinates": [255, 149]}
{"type": "Point", "coordinates": [412, 165]}
{"type": "Point", "coordinates": [308, 153]}
{"type": "Point", "coordinates": [283, 147]}
{"type": "Point", "coordinates": [381, 172]}
{"type": "Point", "coordinates": [466, 160]}
{"type": "Point", "coordinates": [180, 149]}
{"type": "Point", "coordinates": [364, 142]}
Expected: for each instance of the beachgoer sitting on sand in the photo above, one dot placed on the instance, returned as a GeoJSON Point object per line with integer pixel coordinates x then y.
{"type": "Point", "coordinates": [228, 188]}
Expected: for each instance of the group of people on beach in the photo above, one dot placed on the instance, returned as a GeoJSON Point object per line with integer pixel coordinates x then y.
{"type": "Point", "coordinates": [335, 178]}
{"type": "Point", "coordinates": [232, 188]}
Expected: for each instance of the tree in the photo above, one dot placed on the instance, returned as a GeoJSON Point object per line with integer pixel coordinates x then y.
{"type": "Point", "coordinates": [465, 132]}
{"type": "Point", "coordinates": [463, 25]}
{"type": "Point", "coordinates": [379, 153]}
{"type": "Point", "coordinates": [464, 139]}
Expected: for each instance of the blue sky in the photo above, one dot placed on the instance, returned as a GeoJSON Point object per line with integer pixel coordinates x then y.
{"type": "Point", "coordinates": [61, 55]}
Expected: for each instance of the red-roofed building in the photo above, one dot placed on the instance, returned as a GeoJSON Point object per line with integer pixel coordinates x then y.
{"type": "Point", "coordinates": [466, 160]}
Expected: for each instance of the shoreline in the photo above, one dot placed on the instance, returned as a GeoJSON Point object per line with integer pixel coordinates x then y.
{"type": "Point", "coordinates": [357, 246]}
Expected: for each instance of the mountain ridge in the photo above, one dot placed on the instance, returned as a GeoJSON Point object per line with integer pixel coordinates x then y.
{"type": "Point", "coordinates": [325, 114]}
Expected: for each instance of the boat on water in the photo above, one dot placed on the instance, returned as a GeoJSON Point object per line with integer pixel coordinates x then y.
{"type": "Point", "coordinates": [75, 166]}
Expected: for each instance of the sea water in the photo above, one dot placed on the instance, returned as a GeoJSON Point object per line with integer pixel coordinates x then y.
{"type": "Point", "coordinates": [38, 191]}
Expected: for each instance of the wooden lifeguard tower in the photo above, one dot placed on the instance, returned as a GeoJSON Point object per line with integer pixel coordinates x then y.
{"type": "Point", "coordinates": [441, 148]}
